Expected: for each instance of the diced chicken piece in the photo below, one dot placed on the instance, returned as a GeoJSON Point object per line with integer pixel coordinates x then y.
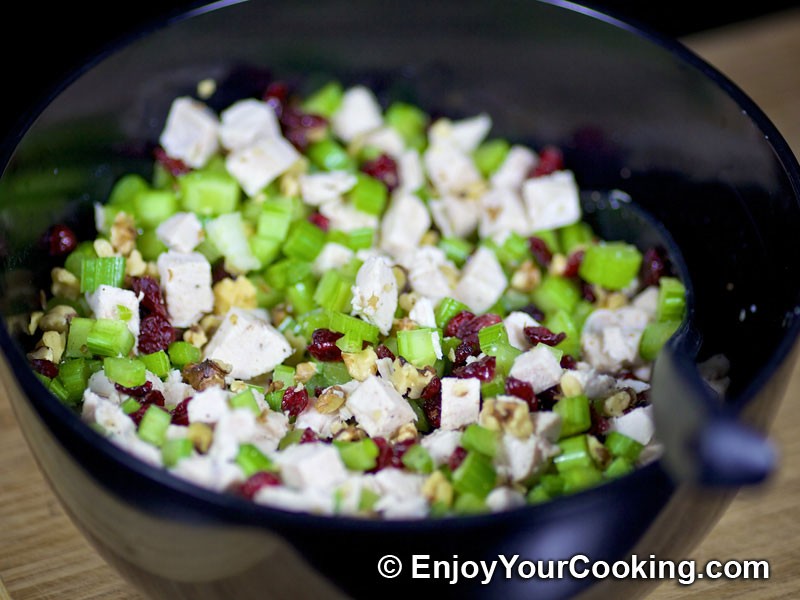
{"type": "Point", "coordinates": [375, 294]}
{"type": "Point", "coordinates": [425, 271]}
{"type": "Point", "coordinates": [610, 338]}
{"type": "Point", "coordinates": [398, 483]}
{"type": "Point", "coordinates": [450, 169]}
{"type": "Point", "coordinates": [440, 444]}
{"type": "Point", "coordinates": [249, 344]}
{"type": "Point", "coordinates": [190, 133]}
{"type": "Point", "coordinates": [175, 390]}
{"type": "Point", "coordinates": [514, 169]}
{"type": "Point", "coordinates": [455, 217]}
{"type": "Point", "coordinates": [181, 232]}
{"type": "Point", "coordinates": [539, 367]}
{"type": "Point", "coordinates": [391, 507]}
{"type": "Point", "coordinates": [186, 281]}
{"type": "Point", "coordinates": [633, 384]}
{"type": "Point", "coordinates": [594, 384]}
{"type": "Point", "coordinates": [521, 458]}
{"type": "Point", "coordinates": [409, 170]}
{"type": "Point", "coordinates": [107, 300]}
{"type": "Point", "coordinates": [321, 188]}
{"type": "Point", "coordinates": [461, 402]}
{"type": "Point", "coordinates": [422, 313]}
{"type": "Point", "coordinates": [515, 323]}
{"type": "Point", "coordinates": [359, 113]}
{"type": "Point", "coordinates": [385, 367]}
{"type": "Point", "coordinates": [319, 423]}
{"type": "Point", "coordinates": [466, 134]}
{"type": "Point", "coordinates": [314, 465]}
{"type": "Point", "coordinates": [546, 425]}
{"type": "Point", "coordinates": [650, 453]}
{"type": "Point", "coordinates": [346, 217]}
{"type": "Point", "coordinates": [332, 256]}
{"type": "Point", "coordinates": [247, 121]}
{"type": "Point", "coordinates": [133, 444]}
{"type": "Point", "coordinates": [207, 472]}
{"type": "Point", "coordinates": [482, 281]}
{"type": "Point", "coordinates": [502, 212]}
{"type": "Point", "coordinates": [310, 500]}
{"type": "Point", "coordinates": [350, 492]}
{"type": "Point", "coordinates": [378, 408]}
{"type": "Point", "coordinates": [255, 166]}
{"type": "Point", "coordinates": [387, 140]}
{"type": "Point", "coordinates": [234, 427]}
{"type": "Point", "coordinates": [552, 200]}
{"type": "Point", "coordinates": [404, 223]}
{"type": "Point", "coordinates": [714, 372]}
{"type": "Point", "coordinates": [637, 424]}
{"type": "Point", "coordinates": [504, 498]}
{"type": "Point", "coordinates": [103, 386]}
{"type": "Point", "coordinates": [647, 301]}
{"type": "Point", "coordinates": [271, 426]}
{"type": "Point", "coordinates": [208, 406]}
{"type": "Point", "coordinates": [107, 414]}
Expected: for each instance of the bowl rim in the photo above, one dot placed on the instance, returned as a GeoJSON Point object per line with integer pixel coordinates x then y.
{"type": "Point", "coordinates": [55, 415]}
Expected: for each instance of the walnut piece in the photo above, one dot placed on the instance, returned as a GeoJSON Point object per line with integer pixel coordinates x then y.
{"type": "Point", "coordinates": [506, 415]}
{"type": "Point", "coordinates": [330, 400]}
{"type": "Point", "coordinates": [204, 375]}
{"type": "Point", "coordinates": [65, 284]}
{"type": "Point", "coordinates": [123, 233]}
{"type": "Point", "coordinates": [407, 379]}
{"type": "Point", "coordinates": [361, 365]}
{"type": "Point", "coordinates": [437, 489]}
{"type": "Point", "coordinates": [304, 371]}
{"type": "Point", "coordinates": [238, 292]}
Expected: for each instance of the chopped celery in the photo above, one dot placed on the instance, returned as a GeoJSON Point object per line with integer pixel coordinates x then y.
{"type": "Point", "coordinates": [358, 456]}
{"type": "Point", "coordinates": [368, 194]}
{"type": "Point", "coordinates": [284, 374]}
{"type": "Point", "coordinates": [479, 439]}
{"type": "Point", "coordinates": [491, 335]}
{"type": "Point", "coordinates": [76, 339]}
{"type": "Point", "coordinates": [475, 475]}
{"type": "Point", "coordinates": [157, 363]}
{"type": "Point", "coordinates": [128, 372]}
{"type": "Point", "coordinates": [575, 415]}
{"type": "Point", "coordinates": [252, 460]}
{"type": "Point", "coordinates": [154, 425]}
{"type": "Point", "coordinates": [456, 249]}
{"type": "Point", "coordinates": [495, 387]}
{"type": "Point", "coordinates": [556, 293]}
{"type": "Point", "coordinates": [618, 467]}
{"type": "Point", "coordinates": [417, 459]}
{"type": "Point", "coordinates": [581, 478]}
{"type": "Point", "coordinates": [410, 122]}
{"type": "Point", "coordinates": [154, 207]}
{"type": "Point", "coordinates": [447, 309]}
{"type": "Point", "coordinates": [304, 242]}
{"type": "Point", "coordinates": [148, 244]}
{"type": "Point", "coordinates": [577, 234]}
{"type": "Point", "coordinates": [283, 273]}
{"type": "Point", "coordinates": [333, 292]}
{"type": "Point", "coordinates": [418, 346]}
{"type": "Point", "coordinates": [74, 376]}
{"type": "Point", "coordinates": [107, 337]}
{"type": "Point", "coordinates": [612, 265]}
{"type": "Point", "coordinates": [174, 450]}
{"type": "Point", "coordinates": [654, 337]}
{"type": "Point", "coordinates": [74, 260]}
{"type": "Point", "coordinates": [329, 155]}
{"type": "Point", "coordinates": [622, 445]}
{"type": "Point", "coordinates": [265, 250]}
{"type": "Point", "coordinates": [325, 100]}
{"type": "Point", "coordinates": [102, 271]}
{"type": "Point", "coordinates": [490, 155]}
{"type": "Point", "coordinates": [227, 233]}
{"type": "Point", "coordinates": [550, 238]}
{"type": "Point", "coordinates": [182, 353]}
{"type": "Point", "coordinates": [574, 454]}
{"type": "Point", "coordinates": [671, 299]}
{"type": "Point", "coordinates": [126, 188]}
{"type": "Point", "coordinates": [301, 297]}
{"type": "Point", "coordinates": [130, 406]}
{"type": "Point", "coordinates": [353, 326]}
{"type": "Point", "coordinates": [209, 192]}
{"type": "Point", "coordinates": [469, 504]}
{"type": "Point", "coordinates": [245, 399]}
{"type": "Point", "coordinates": [562, 322]}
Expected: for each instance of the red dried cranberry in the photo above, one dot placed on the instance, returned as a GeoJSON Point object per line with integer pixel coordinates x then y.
{"type": "Point", "coordinates": [468, 330]}
{"type": "Point", "coordinates": [432, 390]}
{"type": "Point", "coordinates": [384, 458]}
{"type": "Point", "coordinates": [300, 127]}
{"type": "Point", "coordinates": [45, 367]}
{"type": "Point", "coordinates": [384, 169]}
{"type": "Point", "coordinates": [464, 350]}
{"type": "Point", "coordinates": [654, 266]}
{"type": "Point", "coordinates": [137, 391]}
{"type": "Point", "coordinates": [456, 458]}
{"type": "Point", "coordinates": [550, 161]}
{"type": "Point", "coordinates": [542, 335]}
{"type": "Point", "coordinates": [61, 240]}
{"type": "Point", "coordinates": [398, 450]}
{"type": "Point", "coordinates": [323, 345]}
{"type": "Point", "coordinates": [308, 436]}
{"type": "Point", "coordinates": [451, 329]}
{"type": "Point", "coordinates": [256, 481]}
{"type": "Point", "coordinates": [540, 250]}
{"type": "Point", "coordinates": [383, 352]}
{"type": "Point", "coordinates": [547, 398]}
{"type": "Point", "coordinates": [155, 333]}
{"type": "Point", "coordinates": [174, 166]}
{"type": "Point", "coordinates": [151, 301]}
{"type": "Point", "coordinates": [276, 95]}
{"type": "Point", "coordinates": [218, 272]}
{"type": "Point", "coordinates": [534, 312]}
{"type": "Point", "coordinates": [180, 414]}
{"type": "Point", "coordinates": [294, 401]}
{"type": "Point", "coordinates": [574, 263]}
{"type": "Point", "coordinates": [319, 220]}
{"type": "Point", "coordinates": [587, 291]}
{"type": "Point", "coordinates": [568, 362]}
{"type": "Point", "coordinates": [483, 369]}
{"type": "Point", "coordinates": [522, 389]}
{"type": "Point", "coordinates": [599, 425]}
{"type": "Point", "coordinates": [154, 397]}
{"type": "Point", "coordinates": [432, 401]}
{"type": "Point", "coordinates": [138, 415]}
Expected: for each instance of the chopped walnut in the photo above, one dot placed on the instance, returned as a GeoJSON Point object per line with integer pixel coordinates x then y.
{"type": "Point", "coordinates": [201, 436]}
{"type": "Point", "coordinates": [33, 322]}
{"type": "Point", "coordinates": [437, 489]}
{"type": "Point", "coordinates": [209, 324]}
{"type": "Point", "coordinates": [56, 342]}
{"type": "Point", "coordinates": [65, 284]}
{"type": "Point", "coordinates": [195, 336]}
{"type": "Point", "coordinates": [289, 182]}
{"type": "Point", "coordinates": [407, 379]}
{"type": "Point", "coordinates": [123, 233]}
{"type": "Point", "coordinates": [598, 452]}
{"type": "Point", "coordinates": [404, 433]}
{"type": "Point", "coordinates": [278, 314]}
{"type": "Point", "coordinates": [401, 275]}
{"type": "Point", "coordinates": [613, 301]}
{"type": "Point", "coordinates": [58, 318]}
{"type": "Point", "coordinates": [304, 371]}
{"type": "Point", "coordinates": [234, 292]}
{"type": "Point", "coordinates": [41, 353]}
{"type": "Point", "coordinates": [558, 264]}
{"type": "Point", "coordinates": [238, 386]}
{"type": "Point", "coordinates": [274, 386]}
{"type": "Point", "coordinates": [527, 277]}
{"type": "Point", "coordinates": [135, 266]}
{"type": "Point", "coordinates": [505, 415]}
{"type": "Point", "coordinates": [330, 400]}
{"type": "Point", "coordinates": [351, 433]}
{"type": "Point", "coordinates": [103, 248]}
{"type": "Point", "coordinates": [361, 365]}
{"type": "Point", "coordinates": [617, 403]}
{"type": "Point", "coordinates": [429, 238]}
{"type": "Point", "coordinates": [404, 324]}
{"type": "Point", "coordinates": [151, 270]}
{"type": "Point", "coordinates": [204, 375]}
{"type": "Point", "coordinates": [408, 300]}
{"type": "Point", "coordinates": [451, 273]}
{"type": "Point", "coordinates": [570, 386]}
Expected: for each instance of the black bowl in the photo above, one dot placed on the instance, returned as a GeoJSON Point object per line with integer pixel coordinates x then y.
{"type": "Point", "coordinates": [632, 111]}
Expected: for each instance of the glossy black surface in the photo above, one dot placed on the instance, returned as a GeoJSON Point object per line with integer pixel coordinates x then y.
{"type": "Point", "coordinates": [635, 114]}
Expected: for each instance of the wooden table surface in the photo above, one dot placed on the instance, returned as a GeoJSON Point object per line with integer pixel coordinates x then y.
{"type": "Point", "coordinates": [42, 556]}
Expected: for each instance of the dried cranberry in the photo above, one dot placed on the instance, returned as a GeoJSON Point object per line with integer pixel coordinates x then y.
{"type": "Point", "coordinates": [522, 389]}
{"type": "Point", "coordinates": [432, 401]}
{"type": "Point", "coordinates": [540, 250]}
{"type": "Point", "coordinates": [464, 350]}
{"type": "Point", "coordinates": [294, 401]}
{"type": "Point", "coordinates": [45, 367]}
{"type": "Point", "coordinates": [138, 415]}
{"type": "Point", "coordinates": [568, 362]}
{"type": "Point", "coordinates": [150, 292]}
{"type": "Point", "coordinates": [384, 458]}
{"type": "Point", "coordinates": [308, 436]}
{"type": "Point", "coordinates": [451, 329]}
{"type": "Point", "coordinates": [180, 414]}
{"type": "Point", "coordinates": [383, 352]}
{"type": "Point", "coordinates": [137, 391]}
{"type": "Point", "coordinates": [655, 265]}
{"type": "Point", "coordinates": [550, 161]}
{"type": "Point", "coordinates": [154, 397]}
{"type": "Point", "coordinates": [534, 312]}
{"type": "Point", "coordinates": [319, 220]}
{"type": "Point", "coordinates": [155, 333]}
{"type": "Point", "coordinates": [60, 240]}
{"type": "Point", "coordinates": [432, 390]}
{"type": "Point", "coordinates": [218, 272]}
{"type": "Point", "coordinates": [384, 169]}
{"type": "Point", "coordinates": [323, 345]}
{"type": "Point", "coordinates": [456, 458]}
{"type": "Point", "coordinates": [587, 291]}
{"type": "Point", "coordinates": [256, 481]}
{"type": "Point", "coordinates": [174, 166]}
{"type": "Point", "coordinates": [542, 335]}
{"type": "Point", "coordinates": [301, 128]}
{"type": "Point", "coordinates": [398, 450]}
{"type": "Point", "coordinates": [483, 368]}
{"type": "Point", "coordinates": [548, 398]}
{"type": "Point", "coordinates": [574, 263]}
{"type": "Point", "coordinates": [468, 330]}
{"type": "Point", "coordinates": [599, 425]}
{"type": "Point", "coordinates": [276, 95]}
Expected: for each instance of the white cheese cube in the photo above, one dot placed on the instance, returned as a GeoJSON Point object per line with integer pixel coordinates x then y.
{"type": "Point", "coordinates": [451, 170]}
{"type": "Point", "coordinates": [359, 113]}
{"type": "Point", "coordinates": [425, 271]}
{"type": "Point", "coordinates": [332, 256]}
{"type": "Point", "coordinates": [398, 483]}
{"type": "Point", "coordinates": [106, 301]}
{"type": "Point", "coordinates": [190, 133]}
{"type": "Point", "coordinates": [375, 294]}
{"type": "Point", "coordinates": [441, 444]}
{"type": "Point", "coordinates": [610, 338]}
{"type": "Point", "coordinates": [461, 402]}
{"type": "Point", "coordinates": [637, 424]}
{"type": "Point", "coordinates": [314, 465]}
{"type": "Point", "coordinates": [514, 169]}
{"type": "Point", "coordinates": [346, 217]}
{"type": "Point", "coordinates": [247, 121]}
{"type": "Point", "coordinates": [539, 367]}
{"type": "Point", "coordinates": [249, 344]}
{"type": "Point", "coordinates": [255, 166]}
{"type": "Point", "coordinates": [466, 134]}
{"type": "Point", "coordinates": [404, 223]}
{"type": "Point", "coordinates": [378, 408]}
{"type": "Point", "coordinates": [504, 498]}
{"type": "Point", "coordinates": [455, 217]}
{"type": "Point", "coordinates": [324, 187]}
{"type": "Point", "coordinates": [501, 213]}
{"type": "Point", "coordinates": [515, 323]}
{"type": "Point", "coordinates": [482, 281]}
{"type": "Point", "coordinates": [208, 406]}
{"type": "Point", "coordinates": [552, 200]}
{"type": "Point", "coordinates": [422, 313]}
{"type": "Point", "coordinates": [186, 281]}
{"type": "Point", "coordinates": [181, 232]}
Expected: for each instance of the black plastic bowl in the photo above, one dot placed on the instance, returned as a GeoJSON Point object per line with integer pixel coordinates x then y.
{"type": "Point", "coordinates": [632, 111]}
